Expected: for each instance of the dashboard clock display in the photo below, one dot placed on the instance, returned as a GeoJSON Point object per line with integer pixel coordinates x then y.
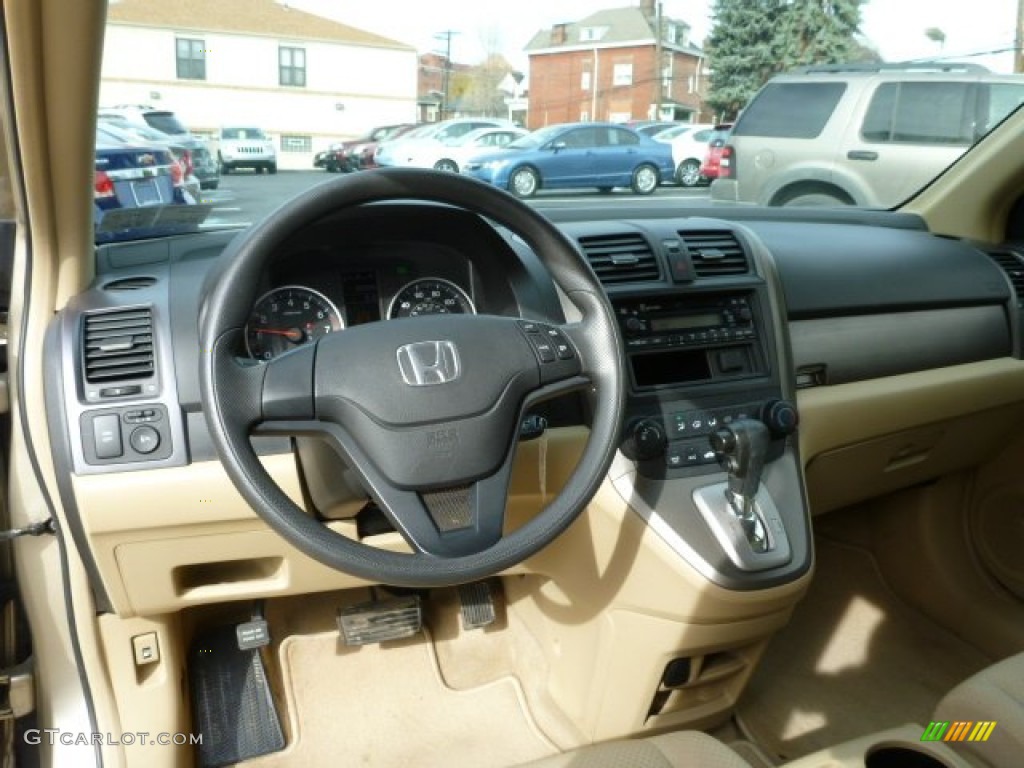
{"type": "Point", "coordinates": [287, 317]}
{"type": "Point", "coordinates": [430, 296]}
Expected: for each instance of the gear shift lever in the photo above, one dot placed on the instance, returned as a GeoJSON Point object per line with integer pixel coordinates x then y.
{"type": "Point", "coordinates": [741, 447]}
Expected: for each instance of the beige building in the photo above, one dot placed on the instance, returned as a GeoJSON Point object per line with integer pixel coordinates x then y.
{"type": "Point", "coordinates": [304, 79]}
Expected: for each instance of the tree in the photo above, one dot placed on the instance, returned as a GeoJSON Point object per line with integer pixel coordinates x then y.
{"type": "Point", "coordinates": [741, 51]}
{"type": "Point", "coordinates": [819, 32]}
{"type": "Point", "coordinates": [751, 40]}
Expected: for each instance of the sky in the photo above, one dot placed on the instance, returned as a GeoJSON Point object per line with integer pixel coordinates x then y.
{"type": "Point", "coordinates": [895, 27]}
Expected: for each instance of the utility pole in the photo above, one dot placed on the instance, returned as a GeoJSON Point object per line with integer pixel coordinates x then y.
{"type": "Point", "coordinates": [446, 75]}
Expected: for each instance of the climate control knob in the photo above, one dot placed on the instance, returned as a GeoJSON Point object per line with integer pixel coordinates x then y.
{"type": "Point", "coordinates": [646, 439]}
{"type": "Point", "coordinates": [781, 417]}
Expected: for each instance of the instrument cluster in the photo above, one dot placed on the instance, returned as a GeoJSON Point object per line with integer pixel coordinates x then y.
{"type": "Point", "coordinates": [288, 316]}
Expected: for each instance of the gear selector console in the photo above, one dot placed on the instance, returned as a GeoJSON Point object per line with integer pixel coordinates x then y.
{"type": "Point", "coordinates": [740, 512]}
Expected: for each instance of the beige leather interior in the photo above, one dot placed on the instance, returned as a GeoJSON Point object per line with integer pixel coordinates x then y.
{"type": "Point", "coordinates": [996, 694]}
{"type": "Point", "coordinates": [682, 749]}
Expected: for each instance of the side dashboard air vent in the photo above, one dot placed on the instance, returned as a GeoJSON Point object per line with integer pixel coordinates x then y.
{"type": "Point", "coordinates": [129, 284]}
{"type": "Point", "coordinates": [715, 253]}
{"type": "Point", "coordinates": [1013, 266]}
{"type": "Point", "coordinates": [620, 258]}
{"type": "Point", "coordinates": [118, 345]}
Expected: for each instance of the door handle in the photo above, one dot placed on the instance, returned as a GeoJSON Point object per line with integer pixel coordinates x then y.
{"type": "Point", "coordinates": [861, 154]}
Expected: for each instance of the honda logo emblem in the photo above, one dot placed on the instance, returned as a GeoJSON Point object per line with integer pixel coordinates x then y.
{"type": "Point", "coordinates": [426, 363]}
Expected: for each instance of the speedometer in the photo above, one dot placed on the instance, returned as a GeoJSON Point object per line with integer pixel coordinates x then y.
{"type": "Point", "coordinates": [287, 317]}
{"type": "Point", "coordinates": [430, 296]}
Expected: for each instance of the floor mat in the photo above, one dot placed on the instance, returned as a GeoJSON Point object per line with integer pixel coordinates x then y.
{"type": "Point", "coordinates": [853, 660]}
{"type": "Point", "coordinates": [341, 713]}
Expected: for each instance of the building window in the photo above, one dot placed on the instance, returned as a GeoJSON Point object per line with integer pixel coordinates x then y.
{"type": "Point", "coordinates": [292, 66]}
{"type": "Point", "coordinates": [296, 143]}
{"type": "Point", "coordinates": [590, 34]}
{"type": "Point", "coordinates": [584, 116]}
{"type": "Point", "coordinates": [191, 56]}
{"type": "Point", "coordinates": [622, 74]}
{"type": "Point", "coordinates": [585, 80]}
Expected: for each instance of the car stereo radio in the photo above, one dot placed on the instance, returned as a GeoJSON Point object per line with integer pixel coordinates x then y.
{"type": "Point", "coordinates": [691, 322]}
{"type": "Point", "coordinates": [675, 340]}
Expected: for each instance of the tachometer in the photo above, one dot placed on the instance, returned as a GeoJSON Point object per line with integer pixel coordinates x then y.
{"type": "Point", "coordinates": [287, 317]}
{"type": "Point", "coordinates": [430, 296]}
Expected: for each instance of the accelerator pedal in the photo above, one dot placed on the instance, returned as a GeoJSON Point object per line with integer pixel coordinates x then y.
{"type": "Point", "coordinates": [232, 704]}
{"type": "Point", "coordinates": [378, 621]}
{"type": "Point", "coordinates": [477, 602]}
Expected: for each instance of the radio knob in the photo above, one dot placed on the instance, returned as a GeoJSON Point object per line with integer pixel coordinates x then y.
{"type": "Point", "coordinates": [634, 324]}
{"type": "Point", "coordinates": [647, 440]}
{"type": "Point", "coordinates": [780, 416]}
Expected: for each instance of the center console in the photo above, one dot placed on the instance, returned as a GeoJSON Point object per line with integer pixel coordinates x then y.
{"type": "Point", "coordinates": [707, 454]}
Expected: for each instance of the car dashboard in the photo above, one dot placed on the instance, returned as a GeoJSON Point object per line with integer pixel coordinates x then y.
{"type": "Point", "coordinates": [878, 356]}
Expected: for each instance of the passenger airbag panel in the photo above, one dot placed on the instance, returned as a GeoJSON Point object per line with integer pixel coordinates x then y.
{"type": "Point", "coordinates": [871, 346]}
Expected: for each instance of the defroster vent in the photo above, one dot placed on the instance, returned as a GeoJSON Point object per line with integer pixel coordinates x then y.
{"type": "Point", "coordinates": [620, 258]}
{"type": "Point", "coordinates": [118, 345]}
{"type": "Point", "coordinates": [715, 253]}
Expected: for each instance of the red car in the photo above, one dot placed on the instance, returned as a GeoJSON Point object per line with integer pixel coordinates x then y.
{"type": "Point", "coordinates": [360, 156]}
{"type": "Point", "coordinates": [709, 169]}
{"type": "Point", "coordinates": [343, 155]}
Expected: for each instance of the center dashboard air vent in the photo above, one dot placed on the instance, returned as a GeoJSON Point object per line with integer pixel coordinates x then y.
{"type": "Point", "coordinates": [620, 258]}
{"type": "Point", "coordinates": [1013, 265]}
{"type": "Point", "coordinates": [715, 253]}
{"type": "Point", "coordinates": [118, 345]}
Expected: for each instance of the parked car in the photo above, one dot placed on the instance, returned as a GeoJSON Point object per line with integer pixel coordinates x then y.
{"type": "Point", "coordinates": [165, 123]}
{"type": "Point", "coordinates": [128, 133]}
{"type": "Point", "coordinates": [337, 156]}
{"type": "Point", "coordinates": [359, 157]}
{"type": "Point", "coordinates": [402, 150]}
{"type": "Point", "coordinates": [688, 150]}
{"type": "Point", "coordinates": [133, 174]}
{"type": "Point", "coordinates": [245, 146]}
{"type": "Point", "coordinates": [711, 165]}
{"type": "Point", "coordinates": [451, 154]}
{"type": "Point", "coordinates": [602, 155]}
{"type": "Point", "coordinates": [860, 134]}
{"type": "Point", "coordinates": [651, 127]}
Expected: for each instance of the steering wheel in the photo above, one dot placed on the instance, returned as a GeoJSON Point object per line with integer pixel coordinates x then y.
{"type": "Point", "coordinates": [425, 410]}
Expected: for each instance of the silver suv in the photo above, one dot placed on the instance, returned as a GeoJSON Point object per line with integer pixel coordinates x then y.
{"type": "Point", "coordinates": [865, 135]}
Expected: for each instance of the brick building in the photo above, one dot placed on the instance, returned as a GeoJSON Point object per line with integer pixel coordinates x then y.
{"type": "Point", "coordinates": [604, 67]}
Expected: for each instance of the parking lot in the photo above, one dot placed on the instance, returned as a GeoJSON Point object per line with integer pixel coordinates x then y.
{"type": "Point", "coordinates": [244, 196]}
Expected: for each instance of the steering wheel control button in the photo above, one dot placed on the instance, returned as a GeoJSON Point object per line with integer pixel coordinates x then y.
{"type": "Point", "coordinates": [106, 431]}
{"type": "Point", "coordinates": [529, 327]}
{"type": "Point", "coordinates": [544, 348]}
{"type": "Point", "coordinates": [562, 346]}
{"type": "Point", "coordinates": [144, 440]}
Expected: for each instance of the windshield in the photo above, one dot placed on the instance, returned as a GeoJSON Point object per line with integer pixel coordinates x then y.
{"type": "Point", "coordinates": [863, 106]}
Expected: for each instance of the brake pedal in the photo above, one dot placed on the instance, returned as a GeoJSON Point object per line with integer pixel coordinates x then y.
{"type": "Point", "coordinates": [378, 621]}
{"type": "Point", "coordinates": [477, 605]}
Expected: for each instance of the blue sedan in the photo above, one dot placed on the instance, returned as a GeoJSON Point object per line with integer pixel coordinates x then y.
{"type": "Point", "coordinates": [571, 155]}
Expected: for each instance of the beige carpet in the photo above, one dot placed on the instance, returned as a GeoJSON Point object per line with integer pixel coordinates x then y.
{"type": "Point", "coordinates": [388, 705]}
{"type": "Point", "coordinates": [853, 660]}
